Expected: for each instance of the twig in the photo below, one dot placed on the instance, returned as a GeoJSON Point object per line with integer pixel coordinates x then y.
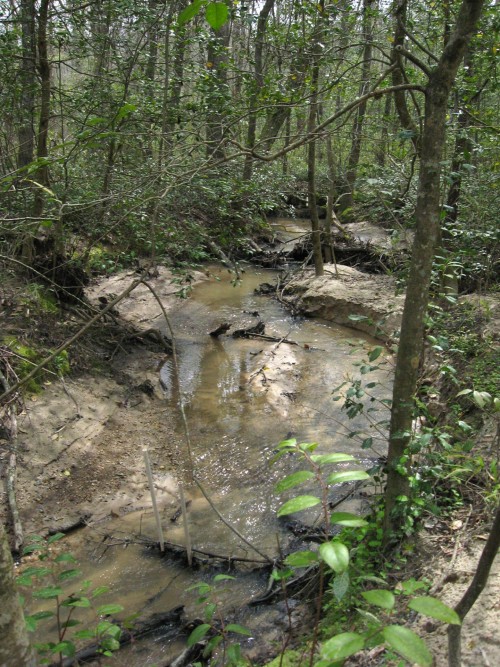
{"type": "Point", "coordinates": [226, 523]}
{"type": "Point", "coordinates": [69, 342]}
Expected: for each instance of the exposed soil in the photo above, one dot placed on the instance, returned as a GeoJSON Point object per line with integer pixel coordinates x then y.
{"type": "Point", "coordinates": [80, 456]}
{"type": "Point", "coordinates": [80, 441]}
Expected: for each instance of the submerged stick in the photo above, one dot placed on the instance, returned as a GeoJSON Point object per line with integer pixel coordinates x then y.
{"type": "Point", "coordinates": [153, 498]}
{"type": "Point", "coordinates": [226, 523]}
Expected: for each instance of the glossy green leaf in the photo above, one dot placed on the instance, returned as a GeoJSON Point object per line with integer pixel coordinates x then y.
{"type": "Point", "coordinates": [239, 629]}
{"type": "Point", "coordinates": [302, 559]}
{"type": "Point", "coordinates": [55, 538]}
{"type": "Point", "coordinates": [408, 645]}
{"type": "Point", "coordinates": [337, 457]}
{"type": "Point", "coordinates": [297, 504]}
{"type": "Point", "coordinates": [198, 633]}
{"type": "Point", "coordinates": [342, 646]}
{"type": "Point", "coordinates": [48, 593]}
{"type": "Point", "coordinates": [294, 479]}
{"type": "Point", "coordinates": [375, 353]}
{"type": "Point", "coordinates": [380, 598]}
{"type": "Point", "coordinates": [347, 476]}
{"type": "Point", "coordinates": [216, 14]}
{"type": "Point", "coordinates": [107, 609]}
{"type": "Point", "coordinates": [435, 609]}
{"type": "Point", "coordinates": [335, 555]}
{"type": "Point", "coordinates": [189, 12]}
{"type": "Point", "coordinates": [223, 577]}
{"type": "Point", "coordinates": [347, 519]}
{"type": "Point", "coordinates": [66, 648]}
{"type": "Point", "coordinates": [76, 602]}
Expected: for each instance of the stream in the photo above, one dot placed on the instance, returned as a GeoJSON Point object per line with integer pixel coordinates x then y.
{"type": "Point", "coordinates": [241, 397]}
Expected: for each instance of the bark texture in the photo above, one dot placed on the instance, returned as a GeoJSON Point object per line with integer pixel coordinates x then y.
{"type": "Point", "coordinates": [427, 218]}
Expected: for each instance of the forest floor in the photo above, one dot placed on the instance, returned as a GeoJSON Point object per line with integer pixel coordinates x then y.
{"type": "Point", "coordinates": [80, 458]}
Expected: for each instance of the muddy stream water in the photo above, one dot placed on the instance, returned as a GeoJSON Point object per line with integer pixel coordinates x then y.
{"type": "Point", "coordinates": [241, 397]}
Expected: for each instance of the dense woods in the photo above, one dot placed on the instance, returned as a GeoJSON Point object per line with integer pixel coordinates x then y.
{"type": "Point", "coordinates": [171, 131]}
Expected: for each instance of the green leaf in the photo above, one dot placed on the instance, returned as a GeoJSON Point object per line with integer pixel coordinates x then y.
{"type": "Point", "coordinates": [125, 110]}
{"type": "Point", "coordinates": [435, 609]}
{"type": "Point", "coordinates": [65, 558]}
{"type": "Point", "coordinates": [40, 615]}
{"type": "Point", "coordinates": [324, 459]}
{"type": "Point", "coordinates": [189, 12]}
{"type": "Point", "coordinates": [340, 585]}
{"type": "Point", "coordinates": [347, 476]}
{"type": "Point", "coordinates": [30, 623]}
{"type": "Point", "coordinates": [239, 629]}
{"type": "Point", "coordinates": [380, 598]}
{"type": "Point", "coordinates": [76, 602]}
{"type": "Point", "coordinates": [55, 538]}
{"type": "Point", "coordinates": [48, 593]}
{"type": "Point", "coordinates": [198, 633]}
{"type": "Point", "coordinates": [297, 504]}
{"type": "Point", "coordinates": [223, 577]}
{"type": "Point", "coordinates": [100, 590]}
{"type": "Point", "coordinates": [375, 353]}
{"type": "Point", "coordinates": [408, 644]}
{"type": "Point", "coordinates": [84, 634]}
{"type": "Point", "coordinates": [110, 644]}
{"type": "Point", "coordinates": [347, 519]}
{"type": "Point", "coordinates": [294, 479]}
{"type": "Point", "coordinates": [301, 558]}
{"type": "Point", "coordinates": [216, 14]}
{"type": "Point", "coordinates": [66, 648]}
{"type": "Point", "coordinates": [210, 610]}
{"type": "Point", "coordinates": [335, 555]}
{"type": "Point", "coordinates": [107, 609]}
{"type": "Point", "coordinates": [342, 646]}
{"type": "Point", "coordinates": [68, 574]}
{"type": "Point", "coordinates": [211, 646]}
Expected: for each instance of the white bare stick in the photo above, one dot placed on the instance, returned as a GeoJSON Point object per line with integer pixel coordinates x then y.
{"type": "Point", "coordinates": [153, 497]}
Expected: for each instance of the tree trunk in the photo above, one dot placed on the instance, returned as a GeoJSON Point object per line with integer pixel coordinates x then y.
{"type": "Point", "coordinates": [217, 60]}
{"type": "Point", "coordinates": [42, 175]}
{"type": "Point", "coordinates": [399, 77]}
{"type": "Point", "coordinates": [357, 128]}
{"type": "Point", "coordinates": [257, 86]}
{"type": "Point", "coordinates": [311, 149]}
{"type": "Point", "coordinates": [26, 137]}
{"type": "Point", "coordinates": [427, 219]}
{"type": "Point", "coordinates": [15, 649]}
{"type": "Point", "coordinates": [474, 591]}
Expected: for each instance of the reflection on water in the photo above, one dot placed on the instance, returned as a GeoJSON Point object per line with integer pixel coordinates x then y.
{"type": "Point", "coordinates": [242, 397]}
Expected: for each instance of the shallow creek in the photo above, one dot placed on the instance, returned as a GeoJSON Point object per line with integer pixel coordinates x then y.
{"type": "Point", "coordinates": [241, 397]}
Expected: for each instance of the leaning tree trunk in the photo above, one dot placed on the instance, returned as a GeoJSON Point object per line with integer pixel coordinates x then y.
{"type": "Point", "coordinates": [427, 219]}
{"type": "Point", "coordinates": [473, 592]}
{"type": "Point", "coordinates": [15, 648]}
